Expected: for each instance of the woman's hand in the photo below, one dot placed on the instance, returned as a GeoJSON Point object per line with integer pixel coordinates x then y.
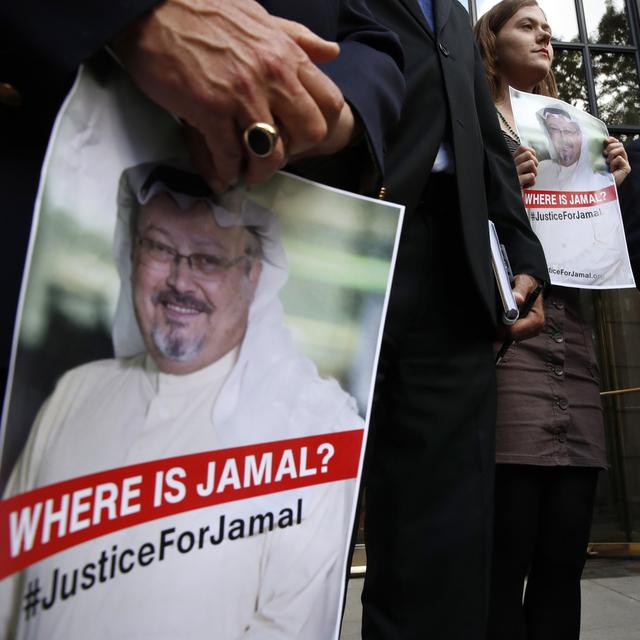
{"type": "Point", "coordinates": [617, 160]}
{"type": "Point", "coordinates": [526, 166]}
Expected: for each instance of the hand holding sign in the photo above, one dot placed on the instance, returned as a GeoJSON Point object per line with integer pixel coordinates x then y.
{"type": "Point", "coordinates": [570, 191]}
{"type": "Point", "coordinates": [221, 66]}
{"type": "Point", "coordinates": [526, 165]}
{"type": "Point", "coordinates": [617, 159]}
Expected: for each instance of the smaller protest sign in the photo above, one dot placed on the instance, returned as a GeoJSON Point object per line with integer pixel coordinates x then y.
{"type": "Point", "coordinates": [573, 205]}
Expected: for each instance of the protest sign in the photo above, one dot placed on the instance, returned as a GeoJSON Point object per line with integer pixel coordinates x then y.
{"type": "Point", "coordinates": [573, 205]}
{"type": "Point", "coordinates": [207, 363]}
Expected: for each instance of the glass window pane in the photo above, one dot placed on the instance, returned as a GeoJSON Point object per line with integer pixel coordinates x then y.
{"type": "Point", "coordinates": [561, 15]}
{"type": "Point", "coordinates": [465, 4]}
{"type": "Point", "coordinates": [607, 21]}
{"type": "Point", "coordinates": [569, 71]}
{"type": "Point", "coordinates": [617, 90]}
{"type": "Point", "coordinates": [482, 6]}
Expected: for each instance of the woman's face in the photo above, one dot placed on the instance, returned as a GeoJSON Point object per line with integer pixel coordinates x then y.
{"type": "Point", "coordinates": [523, 48]}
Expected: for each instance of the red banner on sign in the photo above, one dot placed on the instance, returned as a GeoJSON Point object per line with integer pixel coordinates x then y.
{"type": "Point", "coordinates": [534, 199]}
{"type": "Point", "coordinates": [39, 523]}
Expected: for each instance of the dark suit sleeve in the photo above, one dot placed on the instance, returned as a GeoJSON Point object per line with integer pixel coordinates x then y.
{"type": "Point", "coordinates": [368, 72]}
{"type": "Point", "coordinates": [629, 196]}
{"type": "Point", "coordinates": [504, 198]}
{"type": "Point", "coordinates": [43, 42]}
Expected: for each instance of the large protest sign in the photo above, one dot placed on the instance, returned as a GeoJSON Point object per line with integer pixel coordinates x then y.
{"type": "Point", "coordinates": [207, 363]}
{"type": "Point", "coordinates": [573, 205]}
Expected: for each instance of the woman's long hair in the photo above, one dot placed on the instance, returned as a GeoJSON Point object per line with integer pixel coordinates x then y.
{"type": "Point", "coordinates": [487, 28]}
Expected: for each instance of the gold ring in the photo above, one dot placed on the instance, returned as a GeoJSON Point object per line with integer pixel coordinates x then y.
{"type": "Point", "coordinates": [260, 139]}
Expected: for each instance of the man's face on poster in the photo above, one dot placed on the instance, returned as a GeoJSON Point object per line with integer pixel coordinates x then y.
{"type": "Point", "coordinates": [566, 138]}
{"type": "Point", "coordinates": [193, 282]}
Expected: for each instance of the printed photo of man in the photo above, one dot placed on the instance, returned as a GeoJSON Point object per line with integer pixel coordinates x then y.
{"type": "Point", "coordinates": [570, 167]}
{"type": "Point", "coordinates": [203, 362]}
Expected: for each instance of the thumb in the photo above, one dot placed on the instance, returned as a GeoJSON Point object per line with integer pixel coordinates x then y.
{"type": "Point", "coordinates": [518, 296]}
{"type": "Point", "coordinates": [523, 285]}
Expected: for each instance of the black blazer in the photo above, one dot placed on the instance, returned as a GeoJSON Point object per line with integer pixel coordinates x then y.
{"type": "Point", "coordinates": [447, 96]}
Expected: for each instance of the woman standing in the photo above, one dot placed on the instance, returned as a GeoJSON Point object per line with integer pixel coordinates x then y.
{"type": "Point", "coordinates": [550, 437]}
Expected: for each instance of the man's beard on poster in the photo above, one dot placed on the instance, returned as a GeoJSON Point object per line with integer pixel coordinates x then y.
{"type": "Point", "coordinates": [171, 341]}
{"type": "Point", "coordinates": [567, 155]}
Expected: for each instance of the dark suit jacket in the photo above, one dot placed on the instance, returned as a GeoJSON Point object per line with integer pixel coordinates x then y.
{"type": "Point", "coordinates": [447, 96]}
{"type": "Point", "coordinates": [42, 43]}
{"type": "Point", "coordinates": [629, 194]}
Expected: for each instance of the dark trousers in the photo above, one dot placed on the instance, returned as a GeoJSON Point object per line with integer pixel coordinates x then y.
{"type": "Point", "coordinates": [542, 523]}
{"type": "Point", "coordinates": [430, 460]}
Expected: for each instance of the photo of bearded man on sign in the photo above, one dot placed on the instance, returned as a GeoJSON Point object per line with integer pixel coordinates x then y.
{"type": "Point", "coordinates": [570, 167]}
{"type": "Point", "coordinates": [203, 362]}
{"type": "Point", "coordinates": [572, 202]}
